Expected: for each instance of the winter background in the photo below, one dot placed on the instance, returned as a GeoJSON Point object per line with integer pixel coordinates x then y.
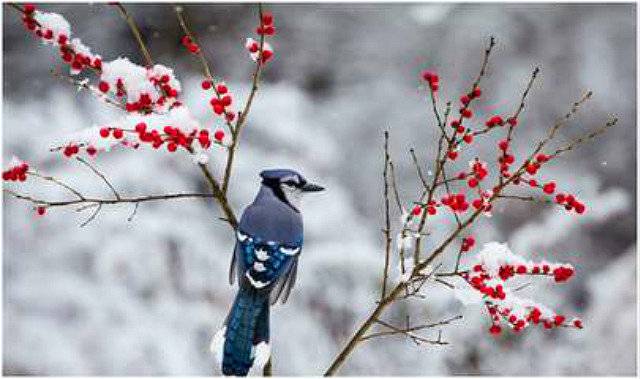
{"type": "Point", "coordinates": [144, 297]}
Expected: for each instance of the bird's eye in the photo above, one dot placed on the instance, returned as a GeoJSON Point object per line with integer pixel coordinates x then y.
{"type": "Point", "coordinates": [290, 183]}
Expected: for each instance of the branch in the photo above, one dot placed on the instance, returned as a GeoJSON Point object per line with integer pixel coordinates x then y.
{"type": "Point", "coordinates": [105, 201]}
{"type": "Point", "coordinates": [100, 175]}
{"type": "Point", "coordinates": [387, 228]}
{"type": "Point", "coordinates": [397, 330]}
{"type": "Point", "coordinates": [242, 116]}
{"type": "Point", "coordinates": [136, 33]}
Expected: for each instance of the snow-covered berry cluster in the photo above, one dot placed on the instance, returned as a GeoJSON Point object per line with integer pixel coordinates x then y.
{"type": "Point", "coordinates": [17, 171]}
{"type": "Point", "coordinates": [264, 30]}
{"type": "Point", "coordinates": [488, 279]}
{"type": "Point", "coordinates": [53, 29]}
{"type": "Point", "coordinates": [142, 90]}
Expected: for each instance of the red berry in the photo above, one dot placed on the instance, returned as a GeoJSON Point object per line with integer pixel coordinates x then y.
{"type": "Point", "coordinates": [41, 210]}
{"type": "Point", "coordinates": [194, 48]}
{"type": "Point", "coordinates": [117, 133]}
{"type": "Point", "coordinates": [218, 135]}
{"type": "Point", "coordinates": [29, 8]}
{"type": "Point", "coordinates": [103, 86]}
{"type": "Point", "coordinates": [267, 18]}
{"type": "Point", "coordinates": [266, 55]}
{"type": "Point", "coordinates": [226, 100]}
{"type": "Point", "coordinates": [549, 188]}
{"type": "Point", "coordinates": [104, 132]}
{"type": "Point", "coordinates": [521, 269]}
{"type": "Point", "coordinates": [495, 329]}
{"type": "Point", "coordinates": [452, 154]}
{"type": "Point", "coordinates": [172, 147]}
{"type": "Point", "coordinates": [542, 158]}
{"type": "Point", "coordinates": [222, 89]}
{"type": "Point", "coordinates": [141, 128]}
{"type": "Point", "coordinates": [512, 121]}
{"type": "Point", "coordinates": [206, 84]}
{"type": "Point", "coordinates": [464, 99]}
{"type": "Point", "coordinates": [473, 182]}
{"type": "Point", "coordinates": [416, 210]}
{"type": "Point", "coordinates": [91, 150]}
{"type": "Point", "coordinates": [468, 138]}
{"type": "Point", "coordinates": [476, 92]}
{"type": "Point", "coordinates": [218, 108]}
{"type": "Point", "coordinates": [559, 319]}
{"type": "Point", "coordinates": [427, 75]}
{"type": "Point", "coordinates": [269, 30]}
{"type": "Point", "coordinates": [503, 145]}
{"type": "Point", "coordinates": [466, 113]}
{"type": "Point", "coordinates": [577, 323]}
{"type": "Point", "coordinates": [230, 116]}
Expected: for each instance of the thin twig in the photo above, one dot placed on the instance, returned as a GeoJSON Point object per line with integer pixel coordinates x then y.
{"type": "Point", "coordinates": [100, 175]}
{"type": "Point", "coordinates": [58, 182]}
{"type": "Point", "coordinates": [136, 33]}
{"type": "Point", "coordinates": [106, 201]}
{"type": "Point", "coordinates": [242, 116]}
{"type": "Point", "coordinates": [418, 169]}
{"type": "Point", "coordinates": [92, 216]}
{"type": "Point", "coordinates": [387, 227]}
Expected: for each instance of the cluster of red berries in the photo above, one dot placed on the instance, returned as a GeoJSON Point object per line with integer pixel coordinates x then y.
{"type": "Point", "coordinates": [144, 104]}
{"type": "Point", "coordinates": [474, 94]}
{"type": "Point", "coordinates": [266, 26]}
{"type": "Point", "coordinates": [532, 316]}
{"type": "Point", "coordinates": [188, 43]}
{"type": "Point", "coordinates": [433, 80]}
{"type": "Point", "coordinates": [497, 299]}
{"type": "Point", "coordinates": [561, 273]}
{"type": "Point", "coordinates": [479, 172]}
{"type": "Point", "coordinates": [431, 208]}
{"type": "Point", "coordinates": [498, 121]}
{"type": "Point", "coordinates": [69, 55]}
{"type": "Point", "coordinates": [70, 150]}
{"type": "Point", "coordinates": [221, 100]}
{"type": "Point", "coordinates": [570, 203]}
{"type": "Point", "coordinates": [174, 137]}
{"type": "Point", "coordinates": [457, 202]}
{"type": "Point", "coordinates": [17, 173]}
{"type": "Point", "coordinates": [467, 243]}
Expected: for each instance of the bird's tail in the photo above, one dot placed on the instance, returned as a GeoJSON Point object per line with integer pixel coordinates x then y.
{"type": "Point", "coordinates": [244, 340]}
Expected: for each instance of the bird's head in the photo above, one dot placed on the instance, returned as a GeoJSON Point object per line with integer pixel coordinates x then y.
{"type": "Point", "coordinates": [288, 185]}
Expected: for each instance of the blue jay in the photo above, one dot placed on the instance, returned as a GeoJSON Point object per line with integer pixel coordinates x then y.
{"type": "Point", "coordinates": [265, 260]}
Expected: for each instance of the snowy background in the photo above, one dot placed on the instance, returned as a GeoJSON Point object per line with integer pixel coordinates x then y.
{"type": "Point", "coordinates": [145, 297]}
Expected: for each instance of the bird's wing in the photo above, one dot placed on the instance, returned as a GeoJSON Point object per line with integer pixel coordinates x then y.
{"type": "Point", "coordinates": [265, 264]}
{"type": "Point", "coordinates": [285, 283]}
{"type": "Point", "coordinates": [232, 266]}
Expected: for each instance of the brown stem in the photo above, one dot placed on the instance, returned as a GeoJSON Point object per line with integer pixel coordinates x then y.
{"type": "Point", "coordinates": [387, 226]}
{"type": "Point", "coordinates": [242, 116]}
{"type": "Point", "coordinates": [136, 33]}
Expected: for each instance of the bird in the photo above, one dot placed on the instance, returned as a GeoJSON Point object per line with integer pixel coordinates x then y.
{"type": "Point", "coordinates": [268, 245]}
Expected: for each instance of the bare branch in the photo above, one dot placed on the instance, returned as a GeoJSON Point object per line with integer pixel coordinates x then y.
{"type": "Point", "coordinates": [242, 116]}
{"type": "Point", "coordinates": [136, 33]}
{"type": "Point", "coordinates": [100, 175]}
{"type": "Point", "coordinates": [58, 182]}
{"type": "Point", "coordinates": [387, 228]}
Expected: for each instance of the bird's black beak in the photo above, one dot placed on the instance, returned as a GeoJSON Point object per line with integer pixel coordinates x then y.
{"type": "Point", "coordinates": [310, 187]}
